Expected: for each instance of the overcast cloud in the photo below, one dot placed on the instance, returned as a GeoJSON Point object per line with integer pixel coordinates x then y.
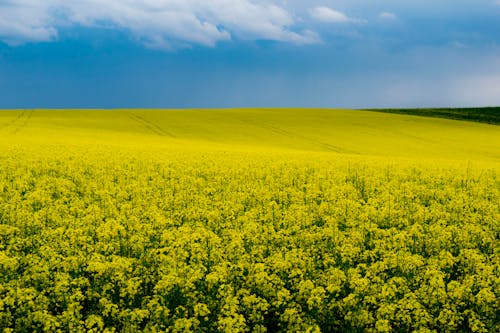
{"type": "Point", "coordinates": [159, 23]}
{"type": "Point", "coordinates": [173, 24]}
{"type": "Point", "coordinates": [232, 53]}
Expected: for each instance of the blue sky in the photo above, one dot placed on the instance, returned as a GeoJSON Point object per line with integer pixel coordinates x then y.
{"type": "Point", "coordinates": [246, 53]}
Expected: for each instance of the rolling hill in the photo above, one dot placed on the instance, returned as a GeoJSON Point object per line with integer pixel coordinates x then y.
{"type": "Point", "coordinates": [357, 133]}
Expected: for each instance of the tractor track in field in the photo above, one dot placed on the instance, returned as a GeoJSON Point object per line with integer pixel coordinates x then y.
{"type": "Point", "coordinates": [19, 122]}
{"type": "Point", "coordinates": [150, 126]}
{"type": "Point", "coordinates": [13, 121]}
{"type": "Point", "coordinates": [24, 122]}
{"type": "Point", "coordinates": [283, 132]}
{"type": "Point", "coordinates": [324, 145]}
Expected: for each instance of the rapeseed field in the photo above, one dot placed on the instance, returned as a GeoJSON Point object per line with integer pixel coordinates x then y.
{"type": "Point", "coordinates": [279, 220]}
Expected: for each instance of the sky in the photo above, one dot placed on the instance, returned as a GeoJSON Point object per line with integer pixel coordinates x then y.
{"type": "Point", "coordinates": [249, 53]}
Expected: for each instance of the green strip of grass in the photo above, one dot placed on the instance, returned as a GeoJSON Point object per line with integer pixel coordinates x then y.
{"type": "Point", "coordinates": [489, 115]}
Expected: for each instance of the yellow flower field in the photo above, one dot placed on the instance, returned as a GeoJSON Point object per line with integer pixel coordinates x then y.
{"type": "Point", "coordinates": [281, 220]}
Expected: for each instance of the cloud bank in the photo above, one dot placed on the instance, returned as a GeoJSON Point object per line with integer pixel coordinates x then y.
{"type": "Point", "coordinates": [25, 20]}
{"type": "Point", "coordinates": [156, 23]}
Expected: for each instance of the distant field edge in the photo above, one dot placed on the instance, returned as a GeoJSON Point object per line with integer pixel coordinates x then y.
{"type": "Point", "coordinates": [488, 115]}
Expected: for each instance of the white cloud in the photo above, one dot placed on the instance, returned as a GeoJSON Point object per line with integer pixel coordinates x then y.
{"type": "Point", "coordinates": [156, 23]}
{"type": "Point", "coordinates": [25, 20]}
{"type": "Point", "coordinates": [329, 15]}
{"type": "Point", "coordinates": [388, 16]}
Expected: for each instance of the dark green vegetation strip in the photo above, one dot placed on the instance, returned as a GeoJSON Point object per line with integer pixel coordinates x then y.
{"type": "Point", "coordinates": [489, 115]}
